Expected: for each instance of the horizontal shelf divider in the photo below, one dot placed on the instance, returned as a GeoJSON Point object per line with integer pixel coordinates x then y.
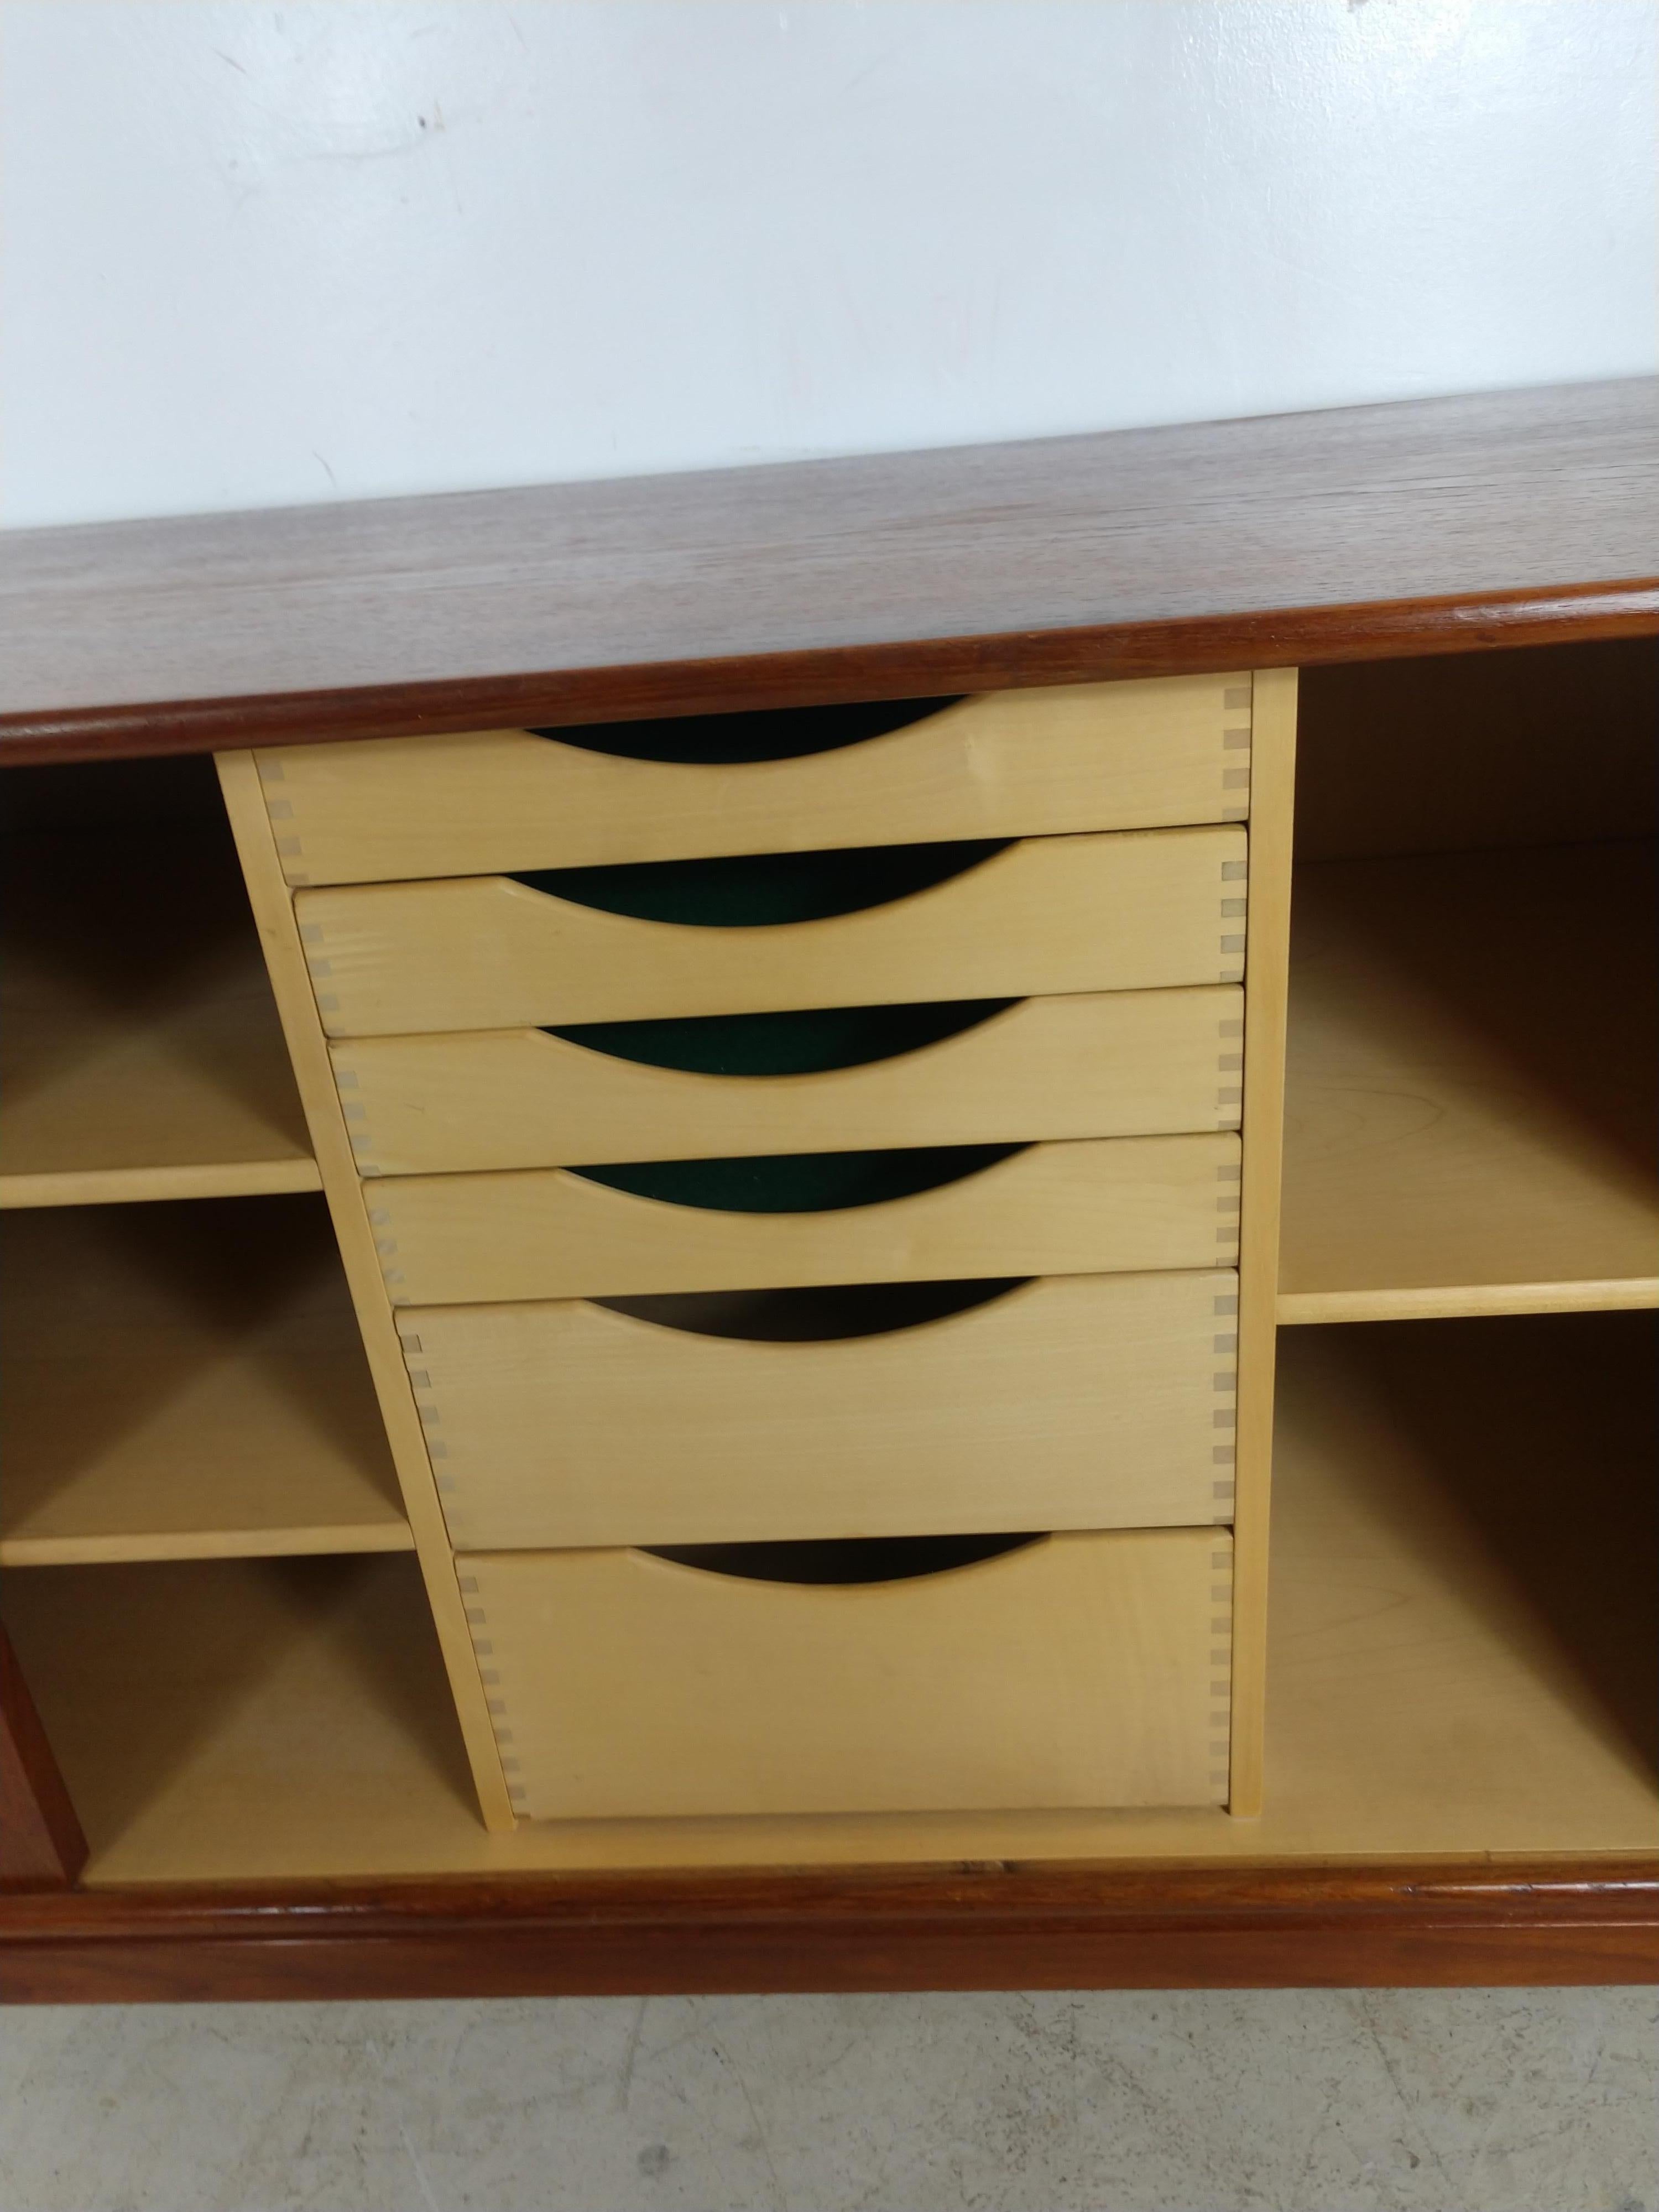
{"type": "Point", "coordinates": [135, 1185]}
{"type": "Point", "coordinates": [261, 1543]}
{"type": "Point", "coordinates": [1454, 1301]}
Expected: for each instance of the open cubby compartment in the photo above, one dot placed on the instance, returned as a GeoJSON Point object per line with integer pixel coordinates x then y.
{"type": "Point", "coordinates": [185, 1380]}
{"type": "Point", "coordinates": [1466, 1574]}
{"type": "Point", "coordinates": [1470, 1089]}
{"type": "Point", "coordinates": [140, 1052]}
{"type": "Point", "coordinates": [1459, 1660]}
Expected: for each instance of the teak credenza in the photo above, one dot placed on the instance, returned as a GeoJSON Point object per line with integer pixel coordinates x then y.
{"type": "Point", "coordinates": [868, 1224]}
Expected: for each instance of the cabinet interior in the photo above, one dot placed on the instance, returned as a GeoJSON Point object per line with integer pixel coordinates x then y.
{"type": "Point", "coordinates": [140, 1052]}
{"type": "Point", "coordinates": [1471, 1085]}
{"type": "Point", "coordinates": [186, 1380]}
{"type": "Point", "coordinates": [1463, 1568]}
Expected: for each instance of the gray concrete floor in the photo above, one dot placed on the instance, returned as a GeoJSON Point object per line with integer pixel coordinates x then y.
{"type": "Point", "coordinates": [1266, 2101]}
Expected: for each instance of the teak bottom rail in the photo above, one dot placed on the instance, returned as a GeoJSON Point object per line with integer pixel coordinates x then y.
{"type": "Point", "coordinates": [997, 1926]}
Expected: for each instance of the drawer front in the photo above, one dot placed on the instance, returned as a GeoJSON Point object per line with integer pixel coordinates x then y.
{"type": "Point", "coordinates": [1097, 1065]}
{"type": "Point", "coordinates": [1074, 1402]}
{"type": "Point", "coordinates": [1115, 1204]}
{"type": "Point", "coordinates": [1136, 911]}
{"type": "Point", "coordinates": [1136, 755]}
{"type": "Point", "coordinates": [1083, 1670]}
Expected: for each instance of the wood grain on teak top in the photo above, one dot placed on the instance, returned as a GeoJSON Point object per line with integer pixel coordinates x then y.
{"type": "Point", "coordinates": [1424, 525]}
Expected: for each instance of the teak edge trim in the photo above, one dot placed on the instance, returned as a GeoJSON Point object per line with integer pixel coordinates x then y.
{"type": "Point", "coordinates": [1382, 629]}
{"type": "Point", "coordinates": [998, 1926]}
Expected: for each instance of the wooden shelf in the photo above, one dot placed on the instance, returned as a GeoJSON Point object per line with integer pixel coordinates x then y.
{"type": "Point", "coordinates": [1470, 1098]}
{"type": "Point", "coordinates": [185, 1382]}
{"type": "Point", "coordinates": [140, 1053]}
{"type": "Point", "coordinates": [1459, 1666]}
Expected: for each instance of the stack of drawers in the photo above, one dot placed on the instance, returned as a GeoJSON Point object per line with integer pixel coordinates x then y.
{"type": "Point", "coordinates": [1051, 1400]}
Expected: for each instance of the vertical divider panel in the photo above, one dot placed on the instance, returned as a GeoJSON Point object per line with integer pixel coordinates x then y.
{"type": "Point", "coordinates": [1267, 982]}
{"type": "Point", "coordinates": [41, 1844]}
{"type": "Point", "coordinates": [273, 912]}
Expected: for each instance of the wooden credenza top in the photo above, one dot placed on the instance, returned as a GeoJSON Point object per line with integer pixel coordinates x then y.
{"type": "Point", "coordinates": [1362, 532]}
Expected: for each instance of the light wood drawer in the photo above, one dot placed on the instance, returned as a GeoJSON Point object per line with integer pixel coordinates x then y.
{"type": "Point", "coordinates": [1119, 1203]}
{"type": "Point", "coordinates": [1135, 911]}
{"type": "Point", "coordinates": [1125, 1063]}
{"type": "Point", "coordinates": [1013, 764]}
{"type": "Point", "coordinates": [1075, 1402]}
{"type": "Point", "coordinates": [1083, 1670]}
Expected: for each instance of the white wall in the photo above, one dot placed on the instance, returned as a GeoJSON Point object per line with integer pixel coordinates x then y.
{"type": "Point", "coordinates": [266, 254]}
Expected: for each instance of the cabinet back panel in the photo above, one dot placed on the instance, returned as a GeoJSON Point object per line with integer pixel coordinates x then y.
{"type": "Point", "coordinates": [1552, 745]}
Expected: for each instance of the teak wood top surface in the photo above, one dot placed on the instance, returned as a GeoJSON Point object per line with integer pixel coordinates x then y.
{"type": "Point", "coordinates": [1424, 525]}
